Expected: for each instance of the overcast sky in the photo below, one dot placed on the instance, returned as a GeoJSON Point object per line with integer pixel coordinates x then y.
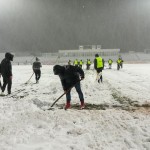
{"type": "Point", "coordinates": [51, 25]}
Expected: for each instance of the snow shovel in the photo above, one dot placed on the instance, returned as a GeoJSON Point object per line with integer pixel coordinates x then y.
{"type": "Point", "coordinates": [29, 78]}
{"type": "Point", "coordinates": [51, 108]}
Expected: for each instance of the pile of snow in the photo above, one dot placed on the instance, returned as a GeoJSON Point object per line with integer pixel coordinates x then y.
{"type": "Point", "coordinates": [117, 116]}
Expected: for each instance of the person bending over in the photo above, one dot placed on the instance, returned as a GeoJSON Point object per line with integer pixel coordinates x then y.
{"type": "Point", "coordinates": [70, 76]}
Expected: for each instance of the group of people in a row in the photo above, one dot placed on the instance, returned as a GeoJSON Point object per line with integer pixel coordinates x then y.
{"type": "Point", "coordinates": [80, 63]}
{"type": "Point", "coordinates": [119, 63]}
{"type": "Point", "coordinates": [88, 63]}
{"type": "Point", "coordinates": [70, 75]}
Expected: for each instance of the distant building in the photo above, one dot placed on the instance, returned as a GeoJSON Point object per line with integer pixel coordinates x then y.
{"type": "Point", "coordinates": [88, 51]}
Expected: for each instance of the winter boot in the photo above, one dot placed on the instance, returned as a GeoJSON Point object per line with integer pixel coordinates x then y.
{"type": "Point", "coordinates": [82, 106]}
{"type": "Point", "coordinates": [9, 92]}
{"type": "Point", "coordinates": [67, 106]}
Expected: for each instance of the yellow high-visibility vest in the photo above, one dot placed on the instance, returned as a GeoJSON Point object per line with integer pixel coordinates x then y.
{"type": "Point", "coordinates": [81, 62]}
{"type": "Point", "coordinates": [99, 62]}
{"type": "Point", "coordinates": [119, 61]}
{"type": "Point", "coordinates": [88, 62]}
{"type": "Point", "coordinates": [76, 62]}
{"type": "Point", "coordinates": [110, 61]}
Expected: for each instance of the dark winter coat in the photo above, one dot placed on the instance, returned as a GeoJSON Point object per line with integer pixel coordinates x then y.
{"type": "Point", "coordinates": [36, 65]}
{"type": "Point", "coordinates": [6, 67]}
{"type": "Point", "coordinates": [69, 75]}
{"type": "Point", "coordinates": [0, 77]}
{"type": "Point", "coordinates": [0, 68]}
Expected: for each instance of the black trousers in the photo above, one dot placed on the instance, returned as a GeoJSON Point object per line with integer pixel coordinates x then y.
{"type": "Point", "coordinates": [7, 82]}
{"type": "Point", "coordinates": [0, 85]}
{"type": "Point", "coordinates": [37, 74]}
{"type": "Point", "coordinates": [98, 72]}
{"type": "Point", "coordinates": [118, 66]}
{"type": "Point", "coordinates": [87, 66]}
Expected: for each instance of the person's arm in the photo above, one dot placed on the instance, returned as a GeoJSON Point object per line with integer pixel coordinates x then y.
{"type": "Point", "coordinates": [103, 62]}
{"type": "Point", "coordinates": [0, 70]}
{"type": "Point", "coordinates": [95, 64]}
{"type": "Point", "coordinates": [80, 71]}
{"type": "Point", "coordinates": [63, 82]}
{"type": "Point", "coordinates": [40, 64]}
{"type": "Point", "coordinates": [9, 69]}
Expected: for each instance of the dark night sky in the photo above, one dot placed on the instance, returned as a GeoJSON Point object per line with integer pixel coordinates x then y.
{"type": "Point", "coordinates": [50, 25]}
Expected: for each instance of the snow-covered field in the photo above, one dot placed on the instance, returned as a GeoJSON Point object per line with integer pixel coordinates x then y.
{"type": "Point", "coordinates": [117, 116]}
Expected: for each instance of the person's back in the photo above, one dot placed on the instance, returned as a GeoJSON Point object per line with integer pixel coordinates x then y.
{"type": "Point", "coordinates": [88, 63]}
{"type": "Point", "coordinates": [70, 75]}
{"type": "Point", "coordinates": [36, 68]}
{"type": "Point", "coordinates": [98, 66]}
{"type": "Point", "coordinates": [37, 65]}
{"type": "Point", "coordinates": [98, 63]}
{"type": "Point", "coordinates": [110, 61]}
{"type": "Point", "coordinates": [118, 64]}
{"type": "Point", "coordinates": [6, 67]}
{"type": "Point", "coordinates": [76, 62]}
{"type": "Point", "coordinates": [80, 63]}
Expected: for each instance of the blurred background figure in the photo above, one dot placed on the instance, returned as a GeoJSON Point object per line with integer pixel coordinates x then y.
{"type": "Point", "coordinates": [80, 63]}
{"type": "Point", "coordinates": [119, 61]}
{"type": "Point", "coordinates": [69, 62]}
{"type": "Point", "coordinates": [36, 69]}
{"type": "Point", "coordinates": [99, 66]}
{"type": "Point", "coordinates": [110, 63]}
{"type": "Point", "coordinates": [88, 64]}
{"type": "Point", "coordinates": [75, 63]}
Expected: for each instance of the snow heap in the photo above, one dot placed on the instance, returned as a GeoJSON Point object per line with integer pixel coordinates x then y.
{"type": "Point", "coordinates": [117, 116]}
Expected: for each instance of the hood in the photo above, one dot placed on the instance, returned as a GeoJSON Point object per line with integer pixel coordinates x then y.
{"type": "Point", "coordinates": [9, 56]}
{"type": "Point", "coordinates": [57, 69]}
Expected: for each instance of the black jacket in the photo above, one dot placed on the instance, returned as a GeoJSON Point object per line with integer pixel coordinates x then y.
{"type": "Point", "coordinates": [0, 68]}
{"type": "Point", "coordinates": [6, 67]}
{"type": "Point", "coordinates": [36, 65]}
{"type": "Point", "coordinates": [70, 75]}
